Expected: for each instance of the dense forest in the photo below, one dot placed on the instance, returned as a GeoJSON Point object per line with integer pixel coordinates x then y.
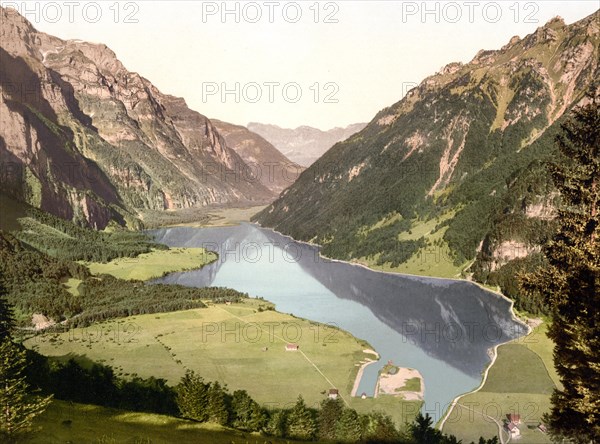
{"type": "Point", "coordinates": [65, 240]}
{"type": "Point", "coordinates": [38, 260]}
{"type": "Point", "coordinates": [381, 241]}
{"type": "Point", "coordinates": [34, 283]}
{"type": "Point", "coordinates": [34, 280]}
{"type": "Point", "coordinates": [107, 297]}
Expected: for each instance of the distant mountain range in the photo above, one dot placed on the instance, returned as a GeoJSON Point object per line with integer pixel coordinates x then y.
{"type": "Point", "coordinates": [304, 144]}
{"type": "Point", "coordinates": [267, 164]}
{"type": "Point", "coordinates": [87, 140]}
{"type": "Point", "coordinates": [456, 166]}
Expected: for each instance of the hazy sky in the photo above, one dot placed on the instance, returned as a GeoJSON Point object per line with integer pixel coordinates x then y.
{"type": "Point", "coordinates": [322, 64]}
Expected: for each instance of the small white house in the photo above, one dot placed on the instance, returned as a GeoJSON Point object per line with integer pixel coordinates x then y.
{"type": "Point", "coordinates": [513, 430]}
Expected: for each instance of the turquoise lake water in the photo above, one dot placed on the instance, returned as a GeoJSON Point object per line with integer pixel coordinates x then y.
{"type": "Point", "coordinates": [443, 328]}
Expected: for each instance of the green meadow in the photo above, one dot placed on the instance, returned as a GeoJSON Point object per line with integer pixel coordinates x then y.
{"type": "Point", "coordinates": [65, 422]}
{"type": "Point", "coordinates": [241, 345]}
{"type": "Point", "coordinates": [520, 381]}
{"type": "Point", "coordinates": [432, 260]}
{"type": "Point", "coordinates": [155, 264]}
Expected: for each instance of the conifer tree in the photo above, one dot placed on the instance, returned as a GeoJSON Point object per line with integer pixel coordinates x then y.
{"type": "Point", "coordinates": [246, 413]}
{"type": "Point", "coordinates": [380, 427]}
{"type": "Point", "coordinates": [301, 423]}
{"type": "Point", "coordinates": [422, 430]}
{"type": "Point", "coordinates": [218, 411]}
{"type": "Point", "coordinates": [18, 406]}
{"type": "Point", "coordinates": [7, 320]}
{"type": "Point", "coordinates": [348, 427]}
{"type": "Point", "coordinates": [329, 415]}
{"type": "Point", "coordinates": [571, 282]}
{"type": "Point", "coordinates": [277, 425]}
{"type": "Point", "coordinates": [192, 397]}
{"type": "Point", "coordinates": [259, 418]}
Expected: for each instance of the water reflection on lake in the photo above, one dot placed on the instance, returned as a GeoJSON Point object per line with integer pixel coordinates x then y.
{"type": "Point", "coordinates": [443, 328]}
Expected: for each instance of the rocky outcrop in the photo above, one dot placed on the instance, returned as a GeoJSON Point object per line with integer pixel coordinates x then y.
{"type": "Point", "coordinates": [86, 139]}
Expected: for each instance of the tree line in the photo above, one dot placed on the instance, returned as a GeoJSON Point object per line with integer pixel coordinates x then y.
{"type": "Point", "coordinates": [34, 283]}
{"type": "Point", "coordinates": [106, 297]}
{"type": "Point", "coordinates": [65, 240]}
{"type": "Point", "coordinates": [332, 421]}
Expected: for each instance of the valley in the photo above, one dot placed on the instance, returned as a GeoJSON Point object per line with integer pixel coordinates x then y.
{"type": "Point", "coordinates": [428, 277]}
{"type": "Point", "coordinates": [232, 339]}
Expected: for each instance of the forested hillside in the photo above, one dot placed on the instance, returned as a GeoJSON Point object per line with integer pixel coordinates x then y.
{"type": "Point", "coordinates": [456, 168]}
{"type": "Point", "coordinates": [42, 271]}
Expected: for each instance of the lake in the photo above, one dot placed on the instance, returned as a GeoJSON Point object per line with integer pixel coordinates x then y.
{"type": "Point", "coordinates": [443, 328]}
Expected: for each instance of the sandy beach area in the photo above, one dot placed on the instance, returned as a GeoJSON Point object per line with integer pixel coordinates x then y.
{"type": "Point", "coordinates": [393, 384]}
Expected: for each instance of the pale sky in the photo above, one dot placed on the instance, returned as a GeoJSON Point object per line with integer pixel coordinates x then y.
{"type": "Point", "coordinates": [360, 55]}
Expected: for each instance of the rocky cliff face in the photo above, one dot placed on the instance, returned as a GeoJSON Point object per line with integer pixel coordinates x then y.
{"type": "Point", "coordinates": [268, 166]}
{"type": "Point", "coordinates": [304, 144]}
{"type": "Point", "coordinates": [86, 139]}
{"type": "Point", "coordinates": [437, 170]}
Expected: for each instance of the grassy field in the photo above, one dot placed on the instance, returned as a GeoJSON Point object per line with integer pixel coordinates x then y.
{"type": "Point", "coordinates": [198, 217]}
{"type": "Point", "coordinates": [412, 385]}
{"type": "Point", "coordinates": [65, 422]}
{"type": "Point", "coordinates": [231, 216]}
{"type": "Point", "coordinates": [520, 381]}
{"type": "Point", "coordinates": [72, 284]}
{"type": "Point", "coordinates": [432, 260]}
{"type": "Point", "coordinates": [241, 345]}
{"type": "Point", "coordinates": [155, 264]}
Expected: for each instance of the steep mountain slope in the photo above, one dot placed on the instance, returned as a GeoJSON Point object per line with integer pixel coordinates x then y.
{"type": "Point", "coordinates": [304, 144]}
{"type": "Point", "coordinates": [86, 139]}
{"type": "Point", "coordinates": [427, 180]}
{"type": "Point", "coordinates": [268, 166]}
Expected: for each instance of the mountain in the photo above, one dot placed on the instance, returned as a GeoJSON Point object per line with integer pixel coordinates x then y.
{"type": "Point", "coordinates": [268, 165]}
{"type": "Point", "coordinates": [304, 144]}
{"type": "Point", "coordinates": [455, 171]}
{"type": "Point", "coordinates": [86, 139]}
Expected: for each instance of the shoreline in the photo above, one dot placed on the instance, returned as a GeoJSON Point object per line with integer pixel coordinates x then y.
{"type": "Point", "coordinates": [392, 384]}
{"type": "Point", "coordinates": [216, 217]}
{"type": "Point", "coordinates": [494, 351]}
{"type": "Point", "coordinates": [497, 294]}
{"type": "Point", "coordinates": [409, 275]}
